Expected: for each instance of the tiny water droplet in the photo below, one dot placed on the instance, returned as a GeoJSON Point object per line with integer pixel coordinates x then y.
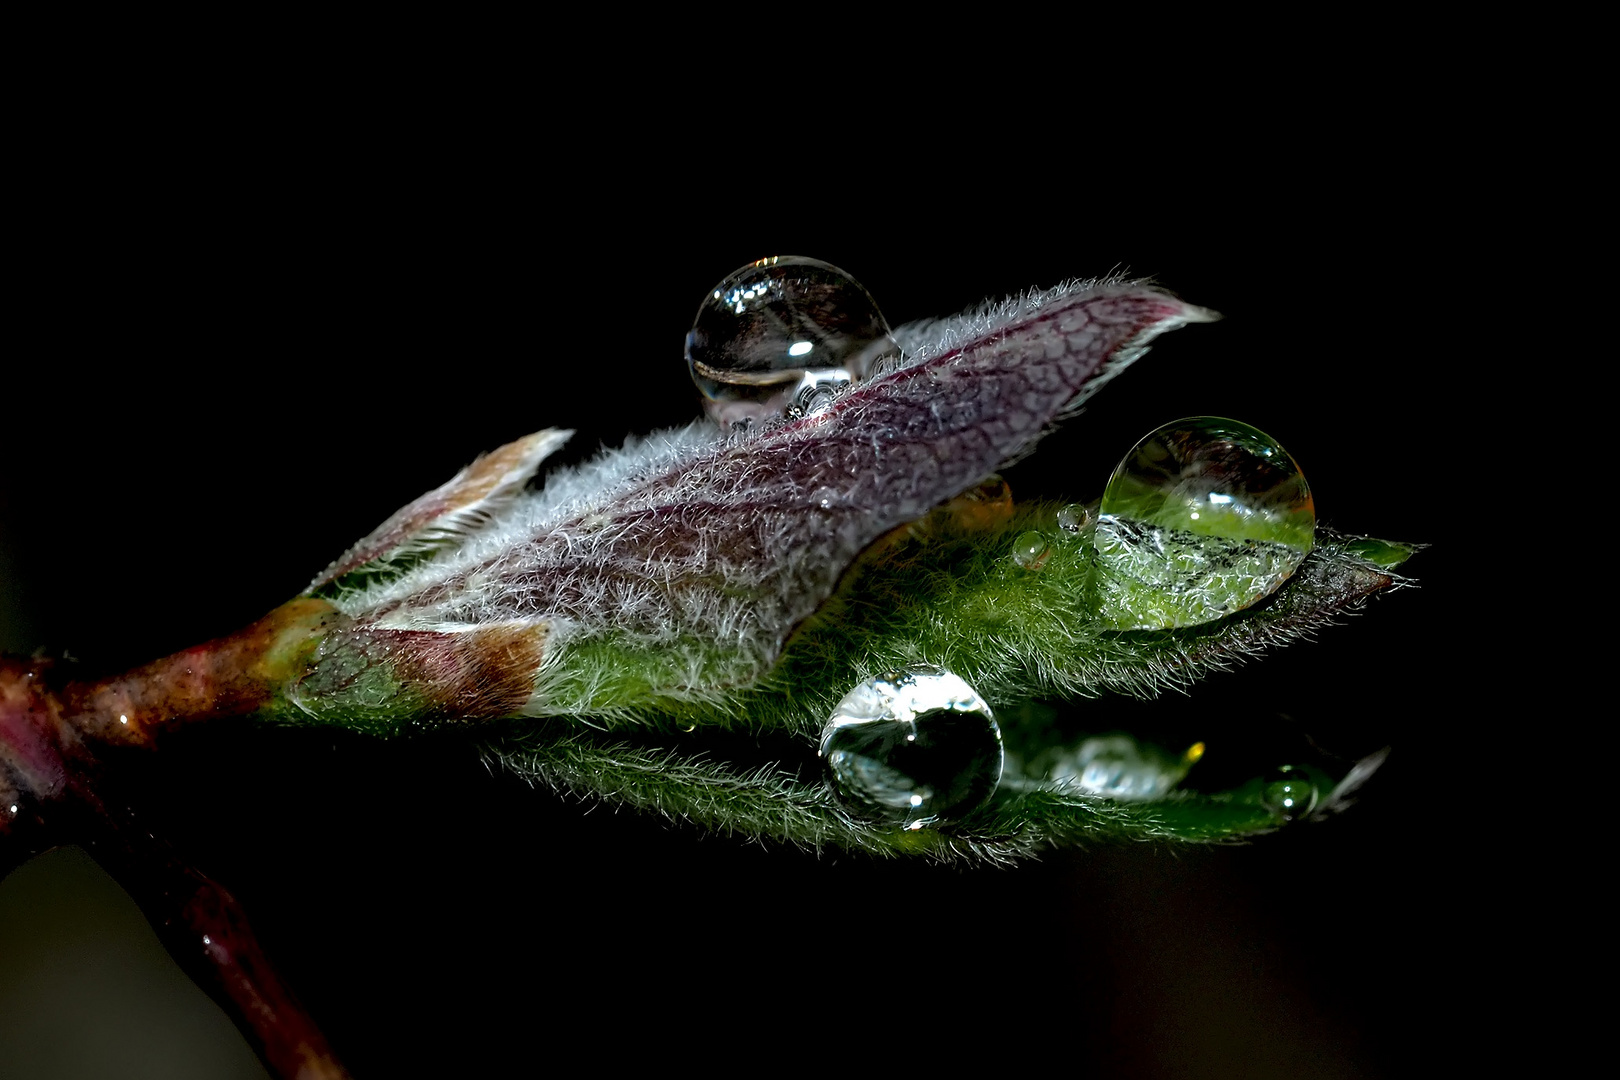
{"type": "Point", "coordinates": [1289, 793]}
{"type": "Point", "coordinates": [816, 392]}
{"type": "Point", "coordinates": [1204, 517]}
{"type": "Point", "coordinates": [913, 748]}
{"type": "Point", "coordinates": [1073, 518]}
{"type": "Point", "coordinates": [1031, 550]}
{"type": "Point", "coordinates": [783, 336]}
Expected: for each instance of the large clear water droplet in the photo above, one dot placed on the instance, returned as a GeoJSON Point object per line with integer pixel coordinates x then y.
{"type": "Point", "coordinates": [1202, 518]}
{"type": "Point", "coordinates": [913, 748]}
{"type": "Point", "coordinates": [783, 336]}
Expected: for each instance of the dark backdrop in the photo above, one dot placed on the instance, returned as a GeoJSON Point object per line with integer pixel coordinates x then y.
{"type": "Point", "coordinates": [235, 366]}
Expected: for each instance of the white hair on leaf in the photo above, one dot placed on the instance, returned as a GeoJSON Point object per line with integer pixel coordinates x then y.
{"type": "Point", "coordinates": [722, 544]}
{"type": "Point", "coordinates": [448, 515]}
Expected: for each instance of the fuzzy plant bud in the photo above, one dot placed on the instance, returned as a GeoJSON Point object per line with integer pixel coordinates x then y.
{"type": "Point", "coordinates": [675, 568]}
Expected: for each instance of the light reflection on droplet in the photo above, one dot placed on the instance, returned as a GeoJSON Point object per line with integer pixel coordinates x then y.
{"type": "Point", "coordinates": [1289, 793]}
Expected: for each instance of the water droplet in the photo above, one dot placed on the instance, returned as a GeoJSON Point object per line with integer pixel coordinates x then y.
{"type": "Point", "coordinates": [1116, 767]}
{"type": "Point", "coordinates": [1289, 793]}
{"type": "Point", "coordinates": [783, 337]}
{"type": "Point", "coordinates": [913, 748]}
{"type": "Point", "coordinates": [1073, 518]}
{"type": "Point", "coordinates": [817, 391]}
{"type": "Point", "coordinates": [1031, 550]}
{"type": "Point", "coordinates": [1202, 518]}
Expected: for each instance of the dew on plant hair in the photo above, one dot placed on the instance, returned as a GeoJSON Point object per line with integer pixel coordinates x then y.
{"type": "Point", "coordinates": [1205, 516]}
{"type": "Point", "coordinates": [1289, 793]}
{"type": "Point", "coordinates": [912, 748]}
{"type": "Point", "coordinates": [1031, 551]}
{"type": "Point", "coordinates": [1073, 518]}
{"type": "Point", "coordinates": [783, 336]}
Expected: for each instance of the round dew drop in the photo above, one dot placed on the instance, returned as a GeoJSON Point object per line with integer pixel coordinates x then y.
{"type": "Point", "coordinates": [783, 337]}
{"type": "Point", "coordinates": [1289, 793]}
{"type": "Point", "coordinates": [1073, 518]}
{"type": "Point", "coordinates": [1031, 550]}
{"type": "Point", "coordinates": [912, 748]}
{"type": "Point", "coordinates": [1204, 517]}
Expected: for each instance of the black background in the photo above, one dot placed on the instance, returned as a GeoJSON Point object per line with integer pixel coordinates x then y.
{"type": "Point", "coordinates": [241, 353]}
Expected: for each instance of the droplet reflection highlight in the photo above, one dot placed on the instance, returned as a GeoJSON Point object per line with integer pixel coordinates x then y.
{"type": "Point", "coordinates": [1289, 793]}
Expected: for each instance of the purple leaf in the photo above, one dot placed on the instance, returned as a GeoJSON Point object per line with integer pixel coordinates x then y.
{"type": "Point", "coordinates": [727, 543]}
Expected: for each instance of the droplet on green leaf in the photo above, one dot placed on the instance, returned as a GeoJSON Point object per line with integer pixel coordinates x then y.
{"type": "Point", "coordinates": [1073, 518]}
{"type": "Point", "coordinates": [1203, 517]}
{"type": "Point", "coordinates": [1289, 793]}
{"type": "Point", "coordinates": [913, 748]}
{"type": "Point", "coordinates": [1031, 550]}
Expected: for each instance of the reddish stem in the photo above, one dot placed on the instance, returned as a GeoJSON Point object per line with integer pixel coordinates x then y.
{"type": "Point", "coordinates": [53, 789]}
{"type": "Point", "coordinates": [230, 676]}
{"type": "Point", "coordinates": [206, 931]}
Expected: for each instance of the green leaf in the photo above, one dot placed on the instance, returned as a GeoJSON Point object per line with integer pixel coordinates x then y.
{"type": "Point", "coordinates": [955, 597]}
